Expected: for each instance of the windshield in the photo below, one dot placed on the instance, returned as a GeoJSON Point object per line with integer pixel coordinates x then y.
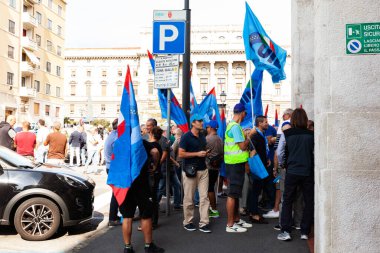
{"type": "Point", "coordinates": [15, 159]}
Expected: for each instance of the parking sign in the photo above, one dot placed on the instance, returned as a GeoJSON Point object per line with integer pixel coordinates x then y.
{"type": "Point", "coordinates": [169, 37]}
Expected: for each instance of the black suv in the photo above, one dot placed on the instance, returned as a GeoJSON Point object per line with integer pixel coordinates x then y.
{"type": "Point", "coordinates": [39, 198]}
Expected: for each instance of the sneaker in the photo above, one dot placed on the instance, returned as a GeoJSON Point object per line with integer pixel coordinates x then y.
{"type": "Point", "coordinates": [304, 237]}
{"type": "Point", "coordinates": [113, 223]}
{"type": "Point", "coordinates": [205, 229]}
{"type": "Point", "coordinates": [296, 227]}
{"type": "Point", "coordinates": [243, 224]}
{"type": "Point", "coordinates": [189, 227]}
{"type": "Point", "coordinates": [177, 208]}
{"type": "Point", "coordinates": [129, 250]}
{"type": "Point", "coordinates": [277, 227]}
{"type": "Point", "coordinates": [153, 248]}
{"type": "Point", "coordinates": [272, 214]}
{"type": "Point", "coordinates": [213, 213]}
{"type": "Point", "coordinates": [284, 236]}
{"type": "Point", "coordinates": [222, 195]}
{"type": "Point", "coordinates": [235, 229]}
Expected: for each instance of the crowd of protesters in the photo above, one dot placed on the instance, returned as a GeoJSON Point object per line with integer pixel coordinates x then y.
{"type": "Point", "coordinates": [193, 161]}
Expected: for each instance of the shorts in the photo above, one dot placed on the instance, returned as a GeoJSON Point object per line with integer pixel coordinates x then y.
{"type": "Point", "coordinates": [235, 175]}
{"type": "Point", "coordinates": [138, 195]}
{"type": "Point", "coordinates": [212, 178]}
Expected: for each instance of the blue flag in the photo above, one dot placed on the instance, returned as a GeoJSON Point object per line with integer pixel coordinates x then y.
{"type": "Point", "coordinates": [264, 53]}
{"type": "Point", "coordinates": [257, 79]}
{"type": "Point", "coordinates": [193, 101]}
{"type": "Point", "coordinates": [129, 154]}
{"type": "Point", "coordinates": [208, 108]}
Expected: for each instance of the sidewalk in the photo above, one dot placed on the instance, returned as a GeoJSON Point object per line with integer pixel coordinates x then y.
{"type": "Point", "coordinates": [171, 236]}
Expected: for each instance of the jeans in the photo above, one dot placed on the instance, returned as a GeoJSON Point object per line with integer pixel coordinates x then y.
{"type": "Point", "coordinates": [307, 186]}
{"type": "Point", "coordinates": [40, 154]}
{"type": "Point", "coordinates": [93, 155]}
{"type": "Point", "coordinates": [75, 150]}
{"type": "Point", "coordinates": [83, 155]}
{"type": "Point", "coordinates": [174, 182]}
{"type": "Point", "coordinates": [153, 185]}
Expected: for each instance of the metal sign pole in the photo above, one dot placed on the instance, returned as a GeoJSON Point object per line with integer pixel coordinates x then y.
{"type": "Point", "coordinates": [168, 157]}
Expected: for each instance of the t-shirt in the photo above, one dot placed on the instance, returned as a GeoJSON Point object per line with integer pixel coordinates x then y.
{"type": "Point", "coordinates": [57, 145]}
{"type": "Point", "coordinates": [42, 134]}
{"type": "Point", "coordinates": [191, 143]}
{"type": "Point", "coordinates": [236, 133]}
{"type": "Point", "coordinates": [25, 142]}
{"type": "Point", "coordinates": [215, 145]}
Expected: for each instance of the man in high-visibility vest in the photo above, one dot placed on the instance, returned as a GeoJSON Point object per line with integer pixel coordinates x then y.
{"type": "Point", "coordinates": [236, 156]}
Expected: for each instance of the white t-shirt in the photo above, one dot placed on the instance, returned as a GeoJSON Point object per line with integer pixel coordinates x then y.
{"type": "Point", "coordinates": [42, 133]}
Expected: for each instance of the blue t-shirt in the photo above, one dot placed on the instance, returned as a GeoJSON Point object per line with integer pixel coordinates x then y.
{"type": "Point", "coordinates": [271, 131]}
{"type": "Point", "coordinates": [236, 133]}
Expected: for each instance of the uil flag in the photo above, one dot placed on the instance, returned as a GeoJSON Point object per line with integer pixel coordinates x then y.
{"type": "Point", "coordinates": [193, 101]}
{"type": "Point", "coordinates": [210, 111]}
{"type": "Point", "coordinates": [276, 122]}
{"type": "Point", "coordinates": [264, 53]}
{"type": "Point", "coordinates": [257, 79]}
{"type": "Point", "coordinates": [266, 111]}
{"type": "Point", "coordinates": [129, 154]}
{"type": "Point", "coordinates": [176, 113]}
{"type": "Point", "coordinates": [223, 128]}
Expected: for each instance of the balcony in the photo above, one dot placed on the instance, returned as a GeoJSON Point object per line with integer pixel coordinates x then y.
{"type": "Point", "coordinates": [28, 20]}
{"type": "Point", "coordinates": [27, 92]}
{"type": "Point", "coordinates": [27, 68]}
{"type": "Point", "coordinates": [28, 43]}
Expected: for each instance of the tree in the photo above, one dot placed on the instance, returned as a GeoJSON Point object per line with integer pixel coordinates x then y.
{"type": "Point", "coordinates": [105, 123]}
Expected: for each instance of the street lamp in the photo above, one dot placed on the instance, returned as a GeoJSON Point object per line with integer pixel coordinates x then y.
{"type": "Point", "coordinates": [204, 94]}
{"type": "Point", "coordinates": [223, 97]}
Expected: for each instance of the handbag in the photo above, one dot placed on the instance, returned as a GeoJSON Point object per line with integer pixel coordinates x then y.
{"type": "Point", "coordinates": [256, 166]}
{"type": "Point", "coordinates": [190, 170]}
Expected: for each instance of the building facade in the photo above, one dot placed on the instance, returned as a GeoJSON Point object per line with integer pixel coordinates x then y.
{"type": "Point", "coordinates": [94, 77]}
{"type": "Point", "coordinates": [31, 59]}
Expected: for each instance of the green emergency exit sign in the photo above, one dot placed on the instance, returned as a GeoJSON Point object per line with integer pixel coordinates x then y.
{"type": "Point", "coordinates": [363, 38]}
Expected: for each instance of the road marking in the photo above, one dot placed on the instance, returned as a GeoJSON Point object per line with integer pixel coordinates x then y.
{"type": "Point", "coordinates": [102, 200]}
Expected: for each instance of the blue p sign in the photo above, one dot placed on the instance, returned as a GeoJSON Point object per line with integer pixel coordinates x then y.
{"type": "Point", "coordinates": [169, 37]}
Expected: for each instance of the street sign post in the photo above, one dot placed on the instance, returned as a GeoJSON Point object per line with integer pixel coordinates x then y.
{"type": "Point", "coordinates": [166, 72]}
{"type": "Point", "coordinates": [363, 38]}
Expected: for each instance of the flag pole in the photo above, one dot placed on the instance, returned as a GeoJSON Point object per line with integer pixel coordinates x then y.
{"type": "Point", "coordinates": [250, 84]}
{"type": "Point", "coordinates": [168, 157]}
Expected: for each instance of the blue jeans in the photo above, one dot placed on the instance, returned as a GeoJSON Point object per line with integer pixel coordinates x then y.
{"type": "Point", "coordinates": [174, 182]}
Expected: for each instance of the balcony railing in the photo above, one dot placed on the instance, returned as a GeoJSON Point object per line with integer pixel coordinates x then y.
{"type": "Point", "coordinates": [27, 92]}
{"type": "Point", "coordinates": [28, 20]}
{"type": "Point", "coordinates": [28, 43]}
{"type": "Point", "coordinates": [27, 68]}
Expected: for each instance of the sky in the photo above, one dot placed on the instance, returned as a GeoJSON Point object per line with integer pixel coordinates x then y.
{"type": "Point", "coordinates": [117, 23]}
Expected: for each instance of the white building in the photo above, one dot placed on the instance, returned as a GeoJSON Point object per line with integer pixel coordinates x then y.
{"type": "Point", "coordinates": [94, 77]}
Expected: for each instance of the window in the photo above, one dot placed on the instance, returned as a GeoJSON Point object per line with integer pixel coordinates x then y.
{"type": "Point", "coordinates": [119, 73]}
{"type": "Point", "coordinates": [10, 78]}
{"type": "Point", "coordinates": [59, 10]}
{"type": "Point", "coordinates": [238, 88]}
{"type": "Point", "coordinates": [204, 84]}
{"type": "Point", "coordinates": [73, 73]}
{"type": "Point", "coordinates": [104, 73]}
{"type": "Point", "coordinates": [204, 38]}
{"type": "Point", "coordinates": [104, 90]}
{"type": "Point", "coordinates": [12, 3]}
{"type": "Point", "coordinates": [278, 108]}
{"type": "Point", "coordinates": [11, 52]}
{"type": "Point", "coordinates": [119, 90]}
{"type": "Point", "coordinates": [150, 72]}
{"type": "Point", "coordinates": [50, 24]}
{"type": "Point", "coordinates": [59, 50]}
{"type": "Point", "coordinates": [47, 110]}
{"type": "Point", "coordinates": [23, 81]}
{"type": "Point", "coordinates": [150, 88]}
{"type": "Point", "coordinates": [58, 92]}
{"type": "Point", "coordinates": [72, 109]}
{"type": "Point", "coordinates": [221, 70]}
{"type": "Point", "coordinates": [49, 45]}
{"type": "Point", "coordinates": [136, 89]}
{"type": "Point", "coordinates": [57, 112]}
{"type": "Point", "coordinates": [88, 73]}
{"type": "Point", "coordinates": [204, 70]}
{"type": "Point", "coordinates": [48, 67]}
{"type": "Point", "coordinates": [58, 71]}
{"type": "Point", "coordinates": [59, 30]}
{"type": "Point", "coordinates": [135, 73]}
{"type": "Point", "coordinates": [239, 70]}
{"type": "Point", "coordinates": [239, 37]}
{"type": "Point", "coordinates": [11, 26]}
{"type": "Point", "coordinates": [37, 85]}
{"type": "Point", "coordinates": [50, 3]}
{"type": "Point", "coordinates": [103, 108]}
{"type": "Point", "coordinates": [222, 37]}
{"type": "Point", "coordinates": [221, 84]}
{"type": "Point", "coordinates": [38, 40]}
{"type": "Point", "coordinates": [39, 60]}
{"type": "Point", "coordinates": [72, 90]}
{"type": "Point", "coordinates": [277, 88]}
{"type": "Point", "coordinates": [39, 17]}
{"type": "Point", "coordinates": [88, 89]}
{"type": "Point", "coordinates": [47, 89]}
{"type": "Point", "coordinates": [36, 108]}
{"type": "Point", "coordinates": [117, 108]}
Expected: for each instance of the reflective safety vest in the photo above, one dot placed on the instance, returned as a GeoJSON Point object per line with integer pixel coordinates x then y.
{"type": "Point", "coordinates": [232, 152]}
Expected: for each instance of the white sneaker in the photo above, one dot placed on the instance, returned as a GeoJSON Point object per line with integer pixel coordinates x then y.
{"type": "Point", "coordinates": [304, 237]}
{"type": "Point", "coordinates": [284, 236]}
{"type": "Point", "coordinates": [243, 224]}
{"type": "Point", "coordinates": [272, 214]}
{"type": "Point", "coordinates": [235, 229]}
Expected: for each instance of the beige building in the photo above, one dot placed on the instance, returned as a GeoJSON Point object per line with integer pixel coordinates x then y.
{"type": "Point", "coordinates": [31, 59]}
{"type": "Point", "coordinates": [94, 76]}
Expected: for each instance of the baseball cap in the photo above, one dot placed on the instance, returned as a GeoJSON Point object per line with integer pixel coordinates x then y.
{"type": "Point", "coordinates": [212, 124]}
{"type": "Point", "coordinates": [239, 108]}
{"type": "Point", "coordinates": [195, 117]}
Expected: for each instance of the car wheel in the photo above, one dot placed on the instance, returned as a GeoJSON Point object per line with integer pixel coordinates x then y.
{"type": "Point", "coordinates": [37, 219]}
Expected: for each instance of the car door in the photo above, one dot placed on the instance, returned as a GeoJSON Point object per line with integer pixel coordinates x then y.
{"type": "Point", "coordinates": [5, 189]}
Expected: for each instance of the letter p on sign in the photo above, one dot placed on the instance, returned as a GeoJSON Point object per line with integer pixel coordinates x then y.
{"type": "Point", "coordinates": [169, 37]}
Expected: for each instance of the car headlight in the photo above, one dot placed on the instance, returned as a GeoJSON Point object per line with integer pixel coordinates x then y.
{"type": "Point", "coordinates": [72, 181]}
